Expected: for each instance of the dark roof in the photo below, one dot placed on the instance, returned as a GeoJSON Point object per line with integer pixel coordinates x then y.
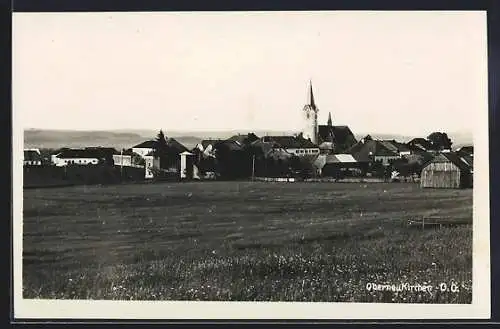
{"type": "Point", "coordinates": [230, 144]}
{"type": "Point", "coordinates": [174, 145]}
{"type": "Point", "coordinates": [145, 145]}
{"type": "Point", "coordinates": [90, 152]}
{"type": "Point", "coordinates": [126, 152]}
{"type": "Point", "coordinates": [452, 157]}
{"type": "Point", "coordinates": [466, 150]}
{"type": "Point", "coordinates": [395, 146]}
{"type": "Point", "coordinates": [31, 155]}
{"type": "Point", "coordinates": [246, 138]}
{"type": "Point", "coordinates": [289, 141]}
{"type": "Point", "coordinates": [361, 150]}
{"type": "Point", "coordinates": [469, 159]}
{"type": "Point", "coordinates": [424, 143]}
{"type": "Point", "coordinates": [338, 134]}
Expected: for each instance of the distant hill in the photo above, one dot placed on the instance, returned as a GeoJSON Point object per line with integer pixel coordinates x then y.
{"type": "Point", "coordinates": [40, 138]}
{"type": "Point", "coordinates": [36, 138]}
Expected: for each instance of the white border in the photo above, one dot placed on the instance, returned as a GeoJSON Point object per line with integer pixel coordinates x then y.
{"type": "Point", "coordinates": [479, 309]}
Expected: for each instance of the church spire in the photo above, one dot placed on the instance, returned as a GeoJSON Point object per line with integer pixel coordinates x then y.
{"type": "Point", "coordinates": [311, 96]}
{"type": "Point", "coordinates": [329, 123]}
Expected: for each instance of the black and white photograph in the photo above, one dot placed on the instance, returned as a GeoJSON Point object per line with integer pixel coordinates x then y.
{"type": "Point", "coordinates": [319, 164]}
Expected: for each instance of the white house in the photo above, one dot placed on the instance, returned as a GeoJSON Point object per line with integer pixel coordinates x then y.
{"type": "Point", "coordinates": [144, 148]}
{"type": "Point", "coordinates": [86, 156]}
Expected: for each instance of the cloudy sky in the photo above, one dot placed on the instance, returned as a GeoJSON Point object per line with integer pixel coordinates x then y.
{"type": "Point", "coordinates": [392, 72]}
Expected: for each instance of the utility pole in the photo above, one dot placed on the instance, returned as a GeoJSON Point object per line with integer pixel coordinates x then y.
{"type": "Point", "coordinates": [121, 165]}
{"type": "Point", "coordinates": [253, 167]}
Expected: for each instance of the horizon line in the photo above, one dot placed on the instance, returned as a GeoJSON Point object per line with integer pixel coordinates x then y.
{"type": "Point", "coordinates": [244, 130]}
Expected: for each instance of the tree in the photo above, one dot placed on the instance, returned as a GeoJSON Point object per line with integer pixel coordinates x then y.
{"type": "Point", "coordinates": [160, 145]}
{"type": "Point", "coordinates": [160, 149]}
{"type": "Point", "coordinates": [440, 140]}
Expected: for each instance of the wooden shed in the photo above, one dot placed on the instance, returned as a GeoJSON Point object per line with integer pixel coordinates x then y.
{"type": "Point", "coordinates": [446, 170]}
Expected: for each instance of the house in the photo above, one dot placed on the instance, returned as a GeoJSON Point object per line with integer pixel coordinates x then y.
{"type": "Point", "coordinates": [32, 157]}
{"type": "Point", "coordinates": [144, 148]}
{"type": "Point", "coordinates": [418, 145]}
{"type": "Point", "coordinates": [369, 150]}
{"type": "Point", "coordinates": [244, 139]}
{"type": "Point", "coordinates": [446, 170]}
{"type": "Point", "coordinates": [466, 150]}
{"type": "Point", "coordinates": [83, 156]}
{"type": "Point", "coordinates": [296, 145]}
{"type": "Point", "coordinates": [333, 165]}
{"type": "Point", "coordinates": [401, 148]}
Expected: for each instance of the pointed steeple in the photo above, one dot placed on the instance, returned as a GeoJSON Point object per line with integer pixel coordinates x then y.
{"type": "Point", "coordinates": [311, 96]}
{"type": "Point", "coordinates": [329, 123]}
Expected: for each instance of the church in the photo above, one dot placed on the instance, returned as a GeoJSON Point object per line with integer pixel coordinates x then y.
{"type": "Point", "coordinates": [329, 138]}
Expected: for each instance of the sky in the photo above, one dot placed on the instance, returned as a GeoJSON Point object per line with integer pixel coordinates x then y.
{"type": "Point", "coordinates": [380, 72]}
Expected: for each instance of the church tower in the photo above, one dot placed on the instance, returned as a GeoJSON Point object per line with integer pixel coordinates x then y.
{"type": "Point", "coordinates": [310, 115]}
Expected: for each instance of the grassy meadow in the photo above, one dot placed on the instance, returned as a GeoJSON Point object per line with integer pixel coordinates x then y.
{"type": "Point", "coordinates": [245, 241]}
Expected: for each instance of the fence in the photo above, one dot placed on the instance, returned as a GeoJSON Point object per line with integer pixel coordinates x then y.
{"type": "Point", "coordinates": [436, 221]}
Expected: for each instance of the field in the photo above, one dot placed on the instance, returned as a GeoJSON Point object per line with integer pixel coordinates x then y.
{"type": "Point", "coordinates": [245, 241]}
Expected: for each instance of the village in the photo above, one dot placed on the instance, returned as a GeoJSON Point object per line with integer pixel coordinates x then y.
{"type": "Point", "coordinates": [318, 153]}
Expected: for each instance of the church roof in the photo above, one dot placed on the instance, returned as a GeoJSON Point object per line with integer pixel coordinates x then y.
{"type": "Point", "coordinates": [338, 134]}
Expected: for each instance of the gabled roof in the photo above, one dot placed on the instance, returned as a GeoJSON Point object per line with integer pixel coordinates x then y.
{"type": "Point", "coordinates": [32, 155]}
{"type": "Point", "coordinates": [395, 146]}
{"type": "Point", "coordinates": [338, 134]}
{"type": "Point", "coordinates": [290, 142]}
{"type": "Point", "coordinates": [363, 151]}
{"type": "Point", "coordinates": [145, 145]}
{"type": "Point", "coordinates": [230, 144]}
{"type": "Point", "coordinates": [421, 143]}
{"type": "Point", "coordinates": [245, 138]}
{"type": "Point", "coordinates": [466, 150]}
{"type": "Point", "coordinates": [174, 145]}
{"type": "Point", "coordinates": [452, 157]}
{"type": "Point", "coordinates": [343, 158]}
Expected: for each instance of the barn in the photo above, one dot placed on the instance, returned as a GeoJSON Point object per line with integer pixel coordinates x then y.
{"type": "Point", "coordinates": [446, 170]}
